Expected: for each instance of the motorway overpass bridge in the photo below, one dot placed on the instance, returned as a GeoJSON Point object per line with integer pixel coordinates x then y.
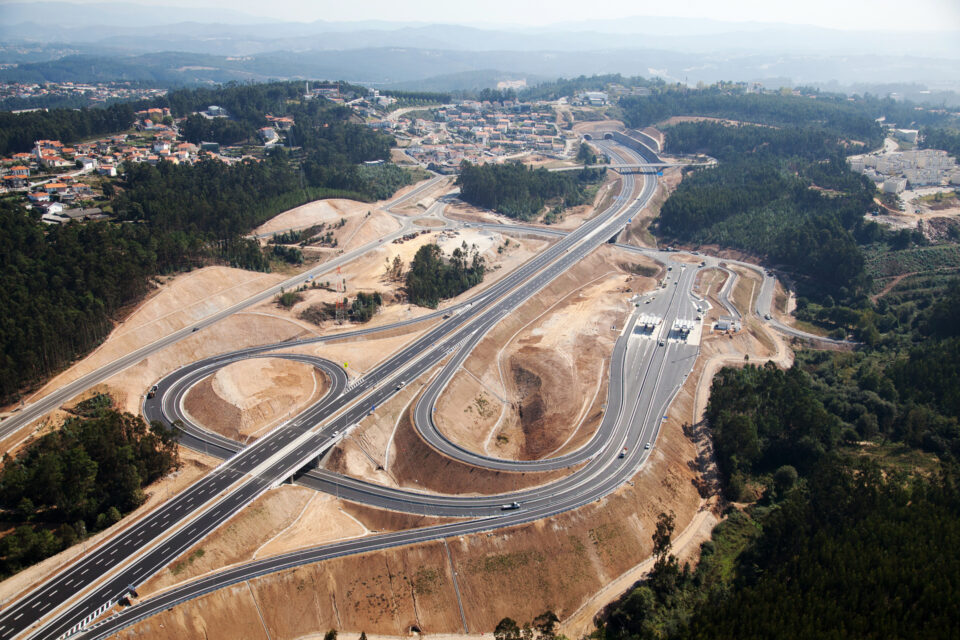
{"type": "Point", "coordinates": [652, 167]}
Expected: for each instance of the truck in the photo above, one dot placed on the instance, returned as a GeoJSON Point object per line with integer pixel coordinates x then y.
{"type": "Point", "coordinates": [510, 507]}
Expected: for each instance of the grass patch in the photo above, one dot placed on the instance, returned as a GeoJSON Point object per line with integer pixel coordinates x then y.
{"type": "Point", "coordinates": [503, 562]}
{"type": "Point", "coordinates": [427, 581]}
{"type": "Point", "coordinates": [896, 457]}
{"type": "Point", "coordinates": [728, 539]}
{"type": "Point", "coordinates": [178, 568]}
{"type": "Point", "coordinates": [883, 263]}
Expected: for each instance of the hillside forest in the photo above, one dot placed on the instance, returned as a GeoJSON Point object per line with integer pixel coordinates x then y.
{"type": "Point", "coordinates": [65, 285]}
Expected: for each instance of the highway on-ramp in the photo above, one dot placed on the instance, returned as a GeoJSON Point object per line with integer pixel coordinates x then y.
{"type": "Point", "coordinates": [209, 502]}
{"type": "Point", "coordinates": [647, 370]}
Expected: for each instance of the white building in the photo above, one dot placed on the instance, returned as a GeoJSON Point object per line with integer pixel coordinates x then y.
{"type": "Point", "coordinates": [907, 135]}
{"type": "Point", "coordinates": [894, 185]}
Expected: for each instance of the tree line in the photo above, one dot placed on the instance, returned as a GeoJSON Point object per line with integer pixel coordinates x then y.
{"type": "Point", "coordinates": [521, 192]}
{"type": "Point", "coordinates": [831, 112]}
{"type": "Point", "coordinates": [851, 552]}
{"type": "Point", "coordinates": [18, 131]}
{"type": "Point", "coordinates": [79, 479]}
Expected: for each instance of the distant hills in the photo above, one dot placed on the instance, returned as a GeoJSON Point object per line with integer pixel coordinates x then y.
{"type": "Point", "coordinates": [179, 45]}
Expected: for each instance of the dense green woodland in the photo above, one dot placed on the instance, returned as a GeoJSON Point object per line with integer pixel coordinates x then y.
{"type": "Point", "coordinates": [855, 120]}
{"type": "Point", "coordinates": [60, 286]}
{"type": "Point", "coordinates": [942, 138]}
{"type": "Point", "coordinates": [848, 553]}
{"type": "Point", "coordinates": [432, 278]}
{"type": "Point", "coordinates": [521, 192]}
{"type": "Point", "coordinates": [18, 131]}
{"type": "Point", "coordinates": [785, 194]}
{"type": "Point", "coordinates": [78, 480]}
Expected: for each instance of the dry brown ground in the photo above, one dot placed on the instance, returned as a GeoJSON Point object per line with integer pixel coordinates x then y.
{"type": "Point", "coordinates": [283, 519]}
{"type": "Point", "coordinates": [418, 207]}
{"type": "Point", "coordinates": [574, 562]}
{"type": "Point", "coordinates": [245, 398]}
{"type": "Point", "coordinates": [178, 303]}
{"type": "Point", "coordinates": [534, 386]}
{"type": "Point", "coordinates": [562, 560]}
{"type": "Point", "coordinates": [369, 274]}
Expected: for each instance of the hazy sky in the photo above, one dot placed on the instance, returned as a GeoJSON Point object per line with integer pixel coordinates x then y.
{"type": "Point", "coordinates": [935, 15]}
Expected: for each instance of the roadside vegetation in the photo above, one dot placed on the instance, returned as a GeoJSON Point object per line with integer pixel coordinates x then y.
{"type": "Point", "coordinates": [78, 480]}
{"type": "Point", "coordinates": [363, 307]}
{"type": "Point", "coordinates": [846, 467]}
{"type": "Point", "coordinates": [517, 191]}
{"type": "Point", "coordinates": [432, 277]}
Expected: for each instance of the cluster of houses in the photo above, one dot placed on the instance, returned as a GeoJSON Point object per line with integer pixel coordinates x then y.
{"type": "Point", "coordinates": [94, 92]}
{"type": "Point", "coordinates": [477, 131]}
{"type": "Point", "coordinates": [898, 170]}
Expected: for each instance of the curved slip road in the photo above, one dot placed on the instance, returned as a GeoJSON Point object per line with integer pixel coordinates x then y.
{"type": "Point", "coordinates": [208, 503]}
{"type": "Point", "coordinates": [51, 401]}
{"type": "Point", "coordinates": [636, 409]}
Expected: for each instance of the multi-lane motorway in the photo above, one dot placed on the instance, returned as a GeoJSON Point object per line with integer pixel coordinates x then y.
{"type": "Point", "coordinates": [211, 501]}
{"type": "Point", "coordinates": [646, 372]}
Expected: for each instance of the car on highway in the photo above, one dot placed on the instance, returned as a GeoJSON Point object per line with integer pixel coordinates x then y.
{"type": "Point", "coordinates": [152, 392]}
{"type": "Point", "coordinates": [400, 385]}
{"type": "Point", "coordinates": [766, 316]}
{"type": "Point", "coordinates": [623, 453]}
{"type": "Point", "coordinates": [646, 446]}
{"type": "Point", "coordinates": [662, 343]}
{"type": "Point", "coordinates": [510, 507]}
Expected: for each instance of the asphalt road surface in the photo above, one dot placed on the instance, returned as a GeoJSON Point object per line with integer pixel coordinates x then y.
{"type": "Point", "coordinates": [646, 372]}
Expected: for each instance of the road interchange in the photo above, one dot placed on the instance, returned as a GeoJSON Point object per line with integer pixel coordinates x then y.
{"type": "Point", "coordinates": [262, 465]}
{"type": "Point", "coordinates": [632, 420]}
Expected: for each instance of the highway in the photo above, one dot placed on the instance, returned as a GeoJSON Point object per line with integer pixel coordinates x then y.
{"type": "Point", "coordinates": [211, 501]}
{"type": "Point", "coordinates": [646, 372]}
{"type": "Point", "coordinates": [635, 411]}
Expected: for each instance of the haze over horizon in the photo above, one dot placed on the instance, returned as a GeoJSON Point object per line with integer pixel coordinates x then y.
{"type": "Point", "coordinates": [852, 15]}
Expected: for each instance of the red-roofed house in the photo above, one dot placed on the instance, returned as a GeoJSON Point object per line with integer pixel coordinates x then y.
{"type": "Point", "coordinates": [55, 187]}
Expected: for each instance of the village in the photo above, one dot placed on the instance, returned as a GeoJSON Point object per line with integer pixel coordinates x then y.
{"type": "Point", "coordinates": [477, 132]}
{"type": "Point", "coordinates": [66, 183]}
{"type": "Point", "coordinates": [94, 93]}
